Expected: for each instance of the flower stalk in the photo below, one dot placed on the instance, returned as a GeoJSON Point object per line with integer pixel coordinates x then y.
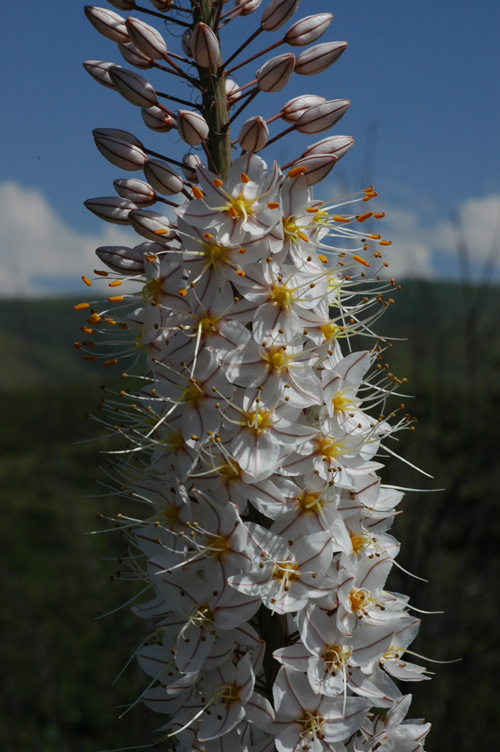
{"type": "Point", "coordinates": [254, 434]}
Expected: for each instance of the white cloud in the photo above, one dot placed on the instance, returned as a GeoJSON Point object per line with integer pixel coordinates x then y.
{"type": "Point", "coordinates": [423, 249]}
{"type": "Point", "coordinates": [39, 253]}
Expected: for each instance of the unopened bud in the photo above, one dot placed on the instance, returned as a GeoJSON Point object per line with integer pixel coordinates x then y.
{"type": "Point", "coordinates": [162, 177]}
{"type": "Point", "coordinates": [337, 145]}
{"type": "Point", "coordinates": [99, 71]}
{"type": "Point", "coordinates": [308, 29]}
{"type": "Point", "coordinates": [133, 88]}
{"type": "Point", "coordinates": [123, 4]}
{"type": "Point", "coordinates": [151, 225]}
{"type": "Point", "coordinates": [253, 134]}
{"type": "Point", "coordinates": [134, 56]}
{"type": "Point", "coordinates": [322, 116]}
{"type": "Point", "coordinates": [118, 133]}
{"type": "Point", "coordinates": [121, 153]}
{"type": "Point", "coordinates": [277, 13]}
{"type": "Point", "coordinates": [162, 5]}
{"type": "Point", "coordinates": [317, 166]}
{"type": "Point", "coordinates": [205, 48]}
{"type": "Point", "coordinates": [121, 259]}
{"type": "Point", "coordinates": [186, 42]}
{"type": "Point", "coordinates": [135, 190]}
{"type": "Point", "coordinates": [275, 73]}
{"type": "Point", "coordinates": [111, 208]}
{"type": "Point", "coordinates": [157, 119]}
{"type": "Point", "coordinates": [319, 58]}
{"type": "Point", "coordinates": [232, 86]}
{"type": "Point", "coordinates": [146, 38]}
{"type": "Point", "coordinates": [192, 127]}
{"type": "Point", "coordinates": [247, 6]}
{"type": "Point", "coordinates": [293, 109]}
{"type": "Point", "coordinates": [190, 162]}
{"type": "Point", "coordinates": [108, 23]}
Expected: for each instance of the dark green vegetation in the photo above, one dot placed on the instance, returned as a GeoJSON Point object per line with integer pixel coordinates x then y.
{"type": "Point", "coordinates": [57, 662]}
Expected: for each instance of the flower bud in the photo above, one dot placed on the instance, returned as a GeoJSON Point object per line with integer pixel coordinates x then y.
{"type": "Point", "coordinates": [135, 190]}
{"type": "Point", "coordinates": [99, 70]}
{"type": "Point", "coordinates": [157, 119]}
{"type": "Point", "coordinates": [322, 116]}
{"type": "Point", "coordinates": [318, 58]}
{"type": "Point", "coordinates": [111, 208]}
{"type": "Point", "coordinates": [277, 13]}
{"type": "Point", "coordinates": [253, 134]}
{"type": "Point", "coordinates": [192, 127]}
{"type": "Point", "coordinates": [293, 109]}
{"type": "Point", "coordinates": [317, 166]}
{"type": "Point", "coordinates": [146, 38]}
{"type": "Point", "coordinates": [123, 4]}
{"type": "Point", "coordinates": [337, 145]}
{"type": "Point", "coordinates": [163, 5]}
{"type": "Point", "coordinates": [275, 73]}
{"type": "Point", "coordinates": [247, 6]}
{"type": "Point", "coordinates": [191, 162]}
{"type": "Point", "coordinates": [162, 177]}
{"type": "Point", "coordinates": [121, 153]}
{"type": "Point", "coordinates": [205, 48]}
{"type": "Point", "coordinates": [186, 42]}
{"type": "Point", "coordinates": [121, 259]}
{"type": "Point", "coordinates": [108, 23]}
{"type": "Point", "coordinates": [232, 86]}
{"type": "Point", "coordinates": [118, 133]}
{"type": "Point", "coordinates": [151, 225]}
{"type": "Point", "coordinates": [134, 56]}
{"type": "Point", "coordinates": [133, 88]}
{"type": "Point", "coordinates": [308, 29]}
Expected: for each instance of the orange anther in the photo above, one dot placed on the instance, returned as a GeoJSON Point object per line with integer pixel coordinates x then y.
{"type": "Point", "coordinates": [86, 280]}
{"type": "Point", "coordinates": [379, 215]}
{"type": "Point", "coordinates": [109, 362]}
{"type": "Point", "coordinates": [273, 205]}
{"type": "Point", "coordinates": [296, 171]}
{"type": "Point", "coordinates": [360, 260]}
{"type": "Point", "coordinates": [338, 218]}
{"type": "Point", "coordinates": [217, 183]}
{"type": "Point", "coordinates": [197, 192]}
{"type": "Point", "coordinates": [115, 283]}
{"type": "Point", "coordinates": [385, 242]}
{"type": "Point", "coordinates": [244, 178]}
{"type": "Point", "coordinates": [81, 306]}
{"type": "Point", "coordinates": [364, 217]}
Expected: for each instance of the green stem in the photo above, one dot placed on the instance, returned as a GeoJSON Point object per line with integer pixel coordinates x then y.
{"type": "Point", "coordinates": [214, 100]}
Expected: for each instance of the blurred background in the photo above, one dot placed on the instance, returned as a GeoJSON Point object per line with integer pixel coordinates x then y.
{"type": "Point", "coordinates": [423, 80]}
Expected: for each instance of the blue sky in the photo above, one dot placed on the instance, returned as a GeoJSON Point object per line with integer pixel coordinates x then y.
{"type": "Point", "coordinates": [423, 78]}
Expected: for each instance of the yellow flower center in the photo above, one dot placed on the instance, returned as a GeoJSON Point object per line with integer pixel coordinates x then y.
{"type": "Point", "coordinates": [282, 295]}
{"type": "Point", "coordinates": [340, 403]}
{"type": "Point", "coordinates": [240, 207]}
{"type": "Point", "coordinates": [335, 656]}
{"type": "Point", "coordinates": [330, 449]}
{"type": "Point", "coordinates": [359, 541]}
{"type": "Point", "coordinates": [275, 357]}
{"type": "Point", "coordinates": [258, 420]}
{"type": "Point", "coordinates": [192, 394]}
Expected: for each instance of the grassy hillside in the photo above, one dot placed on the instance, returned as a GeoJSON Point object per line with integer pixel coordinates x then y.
{"type": "Point", "coordinates": [57, 662]}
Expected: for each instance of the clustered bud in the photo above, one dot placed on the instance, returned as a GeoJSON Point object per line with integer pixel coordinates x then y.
{"type": "Point", "coordinates": [258, 425]}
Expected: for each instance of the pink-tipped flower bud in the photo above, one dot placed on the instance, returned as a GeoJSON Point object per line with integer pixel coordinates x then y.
{"type": "Point", "coordinates": [163, 5]}
{"type": "Point", "coordinates": [277, 13]}
{"type": "Point", "coordinates": [158, 119]}
{"type": "Point", "coordinates": [232, 91]}
{"type": "Point", "coordinates": [317, 166]}
{"type": "Point", "coordinates": [108, 23]}
{"type": "Point", "coordinates": [151, 225]}
{"type": "Point", "coordinates": [253, 134]}
{"type": "Point", "coordinates": [146, 38]}
{"type": "Point", "coordinates": [120, 152]}
{"type": "Point", "coordinates": [293, 109]}
{"type": "Point", "coordinates": [205, 48]}
{"type": "Point", "coordinates": [319, 58]}
{"type": "Point", "coordinates": [122, 4]}
{"type": "Point", "coordinates": [275, 73]}
{"type": "Point", "coordinates": [121, 259]}
{"type": "Point", "coordinates": [308, 29]}
{"type": "Point", "coordinates": [190, 162]}
{"type": "Point", "coordinates": [186, 42]}
{"type": "Point", "coordinates": [192, 127]}
{"type": "Point", "coordinates": [135, 190]}
{"type": "Point", "coordinates": [133, 88]}
{"type": "Point", "coordinates": [111, 208]}
{"type": "Point", "coordinates": [162, 177]}
{"type": "Point", "coordinates": [247, 6]}
{"type": "Point", "coordinates": [99, 70]}
{"type": "Point", "coordinates": [337, 145]}
{"type": "Point", "coordinates": [322, 116]}
{"type": "Point", "coordinates": [134, 56]}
